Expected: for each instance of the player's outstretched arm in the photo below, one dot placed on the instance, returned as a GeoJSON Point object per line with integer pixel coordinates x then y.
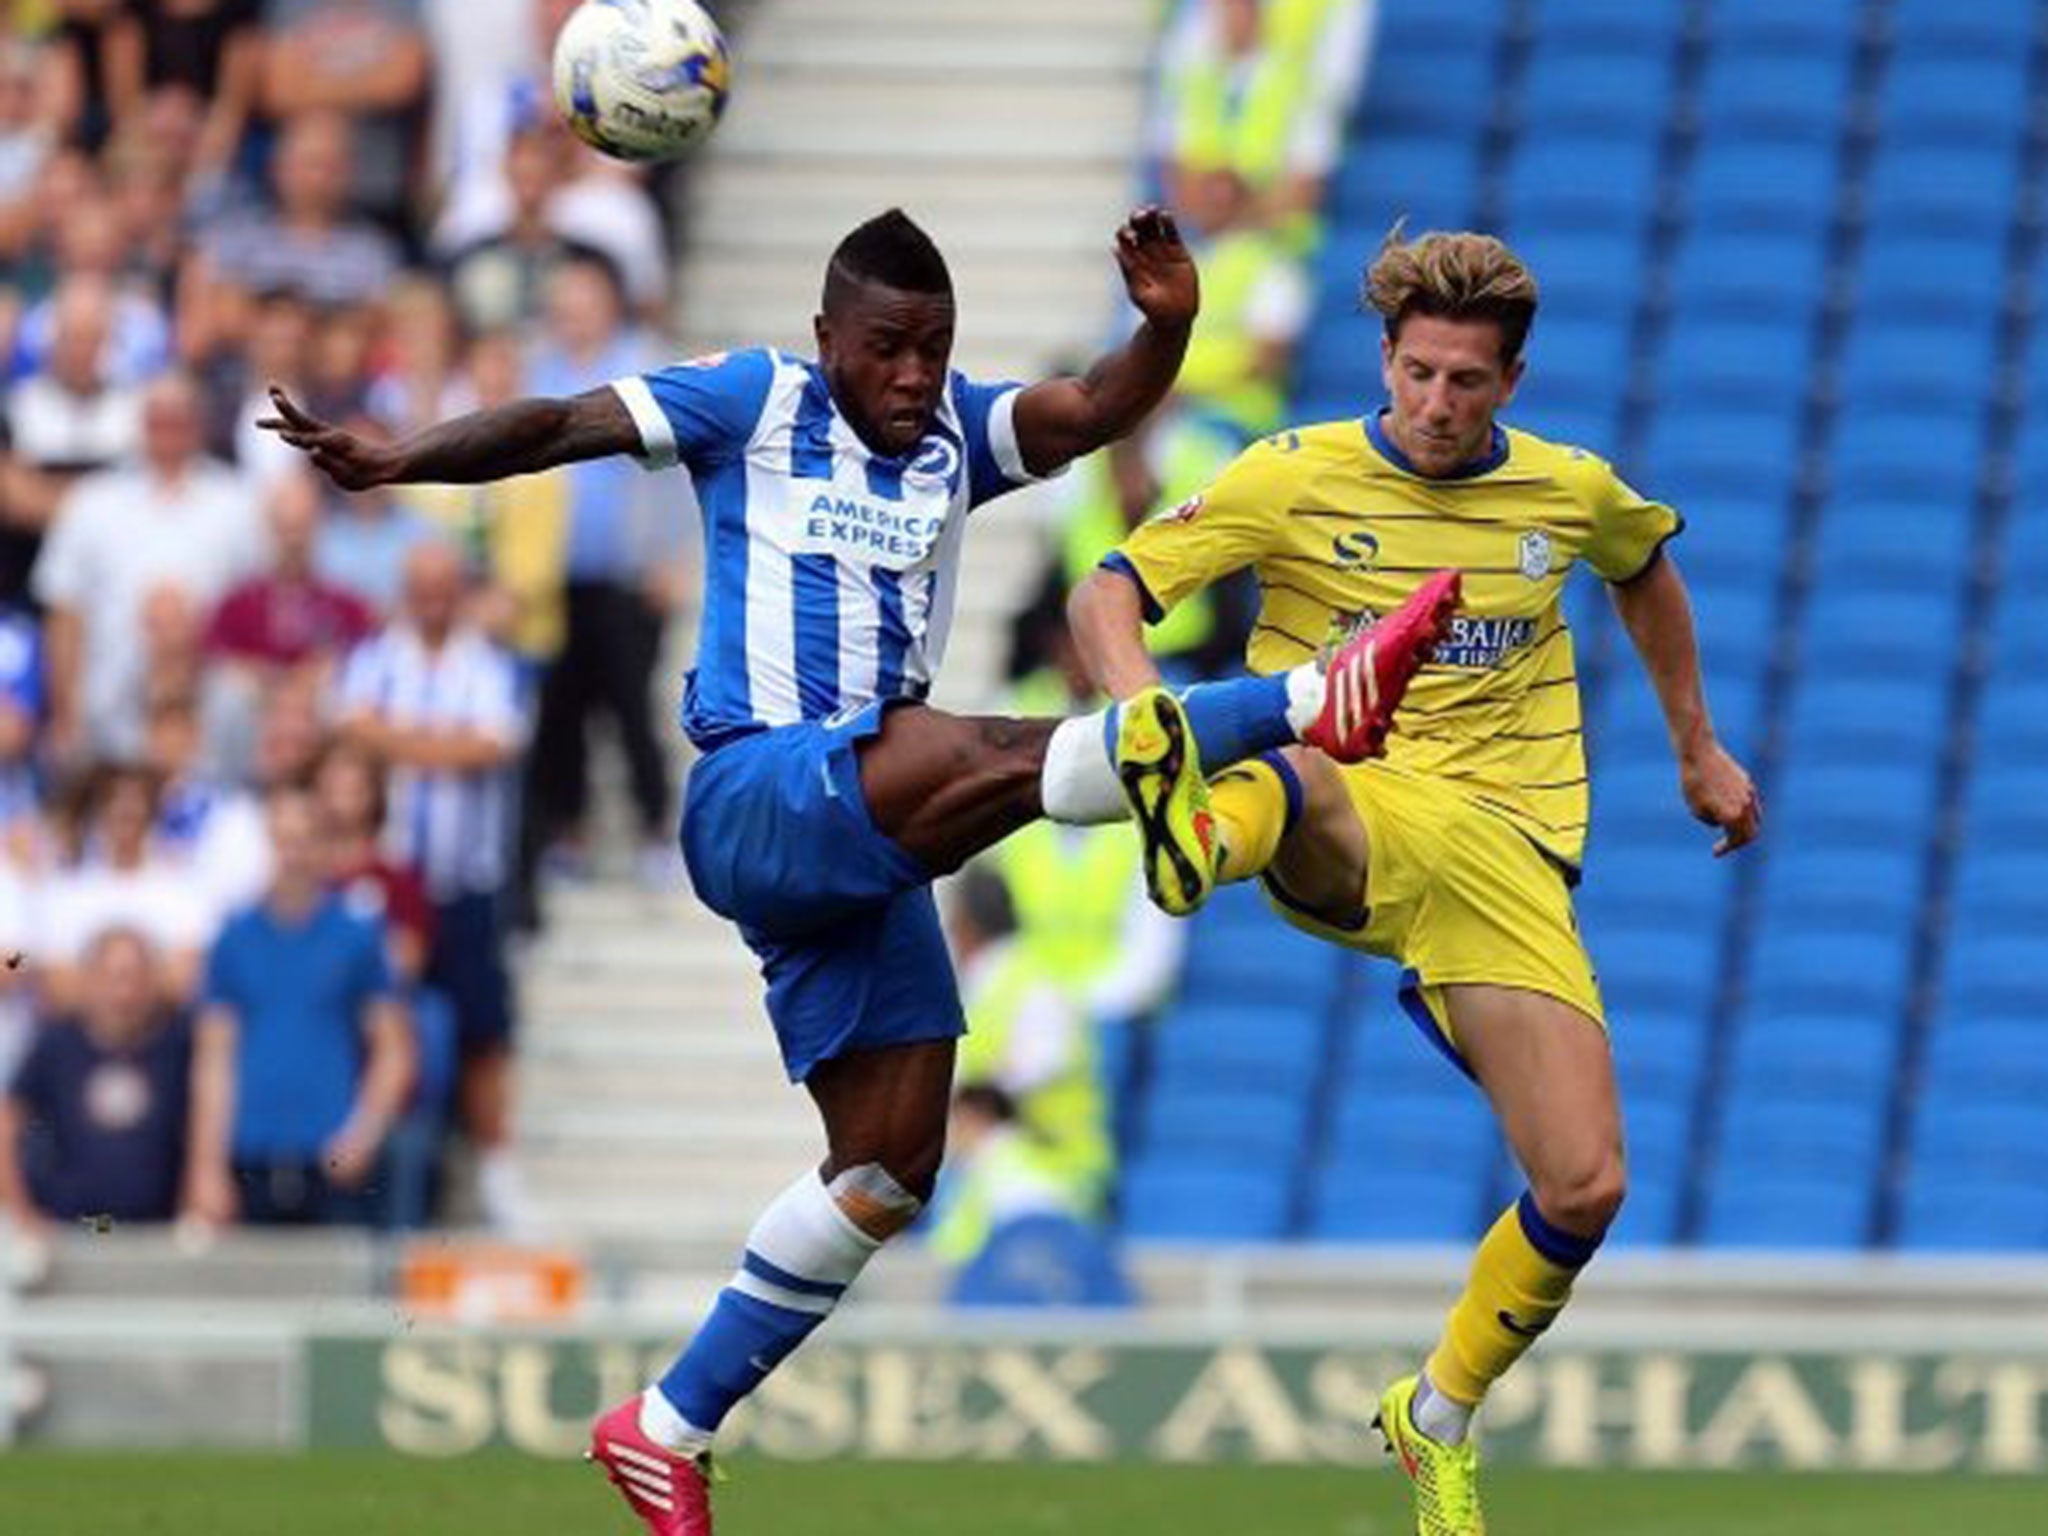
{"type": "Point", "coordinates": [1107, 617]}
{"type": "Point", "coordinates": [1657, 612]}
{"type": "Point", "coordinates": [517, 438]}
{"type": "Point", "coordinates": [1059, 420]}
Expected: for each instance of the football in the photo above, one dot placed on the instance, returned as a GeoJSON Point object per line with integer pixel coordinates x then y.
{"type": "Point", "coordinates": [641, 79]}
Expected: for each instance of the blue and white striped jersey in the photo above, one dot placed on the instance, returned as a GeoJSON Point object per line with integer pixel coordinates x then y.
{"type": "Point", "coordinates": [830, 570]}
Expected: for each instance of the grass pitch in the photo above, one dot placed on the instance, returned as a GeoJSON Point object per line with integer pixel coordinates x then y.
{"type": "Point", "coordinates": [339, 1494]}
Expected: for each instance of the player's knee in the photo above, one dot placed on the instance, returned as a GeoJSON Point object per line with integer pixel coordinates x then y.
{"type": "Point", "coordinates": [1585, 1197]}
{"type": "Point", "coordinates": [882, 1199]}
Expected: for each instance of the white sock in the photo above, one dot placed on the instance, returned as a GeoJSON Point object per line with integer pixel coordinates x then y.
{"type": "Point", "coordinates": [1078, 784]}
{"type": "Point", "coordinates": [668, 1429]}
{"type": "Point", "coordinates": [1305, 689]}
{"type": "Point", "coordinates": [1445, 1420]}
{"type": "Point", "coordinates": [501, 1192]}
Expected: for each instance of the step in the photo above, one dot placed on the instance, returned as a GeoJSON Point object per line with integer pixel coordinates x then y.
{"type": "Point", "coordinates": [898, 18]}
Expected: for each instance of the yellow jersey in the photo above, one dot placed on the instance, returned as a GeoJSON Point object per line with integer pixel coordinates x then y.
{"type": "Point", "coordinates": [1339, 527]}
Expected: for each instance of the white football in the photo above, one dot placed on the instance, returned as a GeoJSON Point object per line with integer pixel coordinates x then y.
{"type": "Point", "coordinates": [641, 79]}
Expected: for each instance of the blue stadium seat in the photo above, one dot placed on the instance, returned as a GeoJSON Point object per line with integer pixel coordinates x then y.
{"type": "Point", "coordinates": [1973, 1140]}
{"type": "Point", "coordinates": [2000, 887]}
{"type": "Point", "coordinates": [1932, 458]}
{"type": "Point", "coordinates": [1850, 975]}
{"type": "Point", "coordinates": [1827, 1057]}
{"type": "Point", "coordinates": [1574, 89]}
{"type": "Point", "coordinates": [1448, 1126]}
{"type": "Point", "coordinates": [1929, 274]}
{"type": "Point", "coordinates": [1971, 1058]}
{"type": "Point", "coordinates": [1943, 1213]}
{"type": "Point", "coordinates": [1591, 273]}
{"type": "Point", "coordinates": [1758, 1207]}
{"type": "Point", "coordinates": [1630, 727]}
{"type": "Point", "coordinates": [1389, 1055]}
{"type": "Point", "coordinates": [1730, 537]}
{"type": "Point", "coordinates": [2012, 719]}
{"type": "Point", "coordinates": [1283, 966]}
{"type": "Point", "coordinates": [1800, 1135]}
{"type": "Point", "coordinates": [1654, 884]}
{"type": "Point", "coordinates": [1851, 631]}
{"type": "Point", "coordinates": [1582, 424]}
{"type": "Point", "coordinates": [2019, 640]}
{"type": "Point", "coordinates": [1874, 886]}
{"type": "Point", "coordinates": [1564, 181]}
{"type": "Point", "coordinates": [1412, 30]}
{"type": "Point", "coordinates": [1658, 970]}
{"type": "Point", "coordinates": [1755, 99]}
{"type": "Point", "coordinates": [1214, 1043]}
{"type": "Point", "coordinates": [1658, 1056]}
{"type": "Point", "coordinates": [1773, 275]}
{"type": "Point", "coordinates": [1853, 799]}
{"type": "Point", "coordinates": [1425, 1206]}
{"type": "Point", "coordinates": [1927, 99]}
{"type": "Point", "coordinates": [1995, 974]}
{"type": "Point", "coordinates": [1772, 27]}
{"type": "Point", "coordinates": [1891, 543]}
{"type": "Point", "coordinates": [2009, 802]}
{"type": "Point", "coordinates": [1842, 717]}
{"type": "Point", "coordinates": [1413, 91]}
{"type": "Point", "coordinates": [1581, 361]}
{"type": "Point", "coordinates": [1206, 1123]}
{"type": "Point", "coordinates": [1755, 366]}
{"type": "Point", "coordinates": [1725, 452]}
{"type": "Point", "coordinates": [1649, 1218]}
{"type": "Point", "coordinates": [1737, 626]}
{"type": "Point", "coordinates": [1910, 362]}
{"type": "Point", "coordinates": [1433, 181]}
{"type": "Point", "coordinates": [1965, 191]}
{"type": "Point", "coordinates": [1943, 29]}
{"type": "Point", "coordinates": [1223, 1202]}
{"type": "Point", "coordinates": [1610, 26]}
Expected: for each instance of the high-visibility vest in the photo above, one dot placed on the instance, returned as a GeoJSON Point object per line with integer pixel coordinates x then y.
{"type": "Point", "coordinates": [1247, 126]}
{"type": "Point", "coordinates": [1222, 353]}
{"type": "Point", "coordinates": [1071, 887]}
{"type": "Point", "coordinates": [1007, 1175]}
{"type": "Point", "coordinates": [1067, 1115]}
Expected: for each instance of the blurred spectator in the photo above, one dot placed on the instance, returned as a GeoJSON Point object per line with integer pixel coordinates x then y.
{"type": "Point", "coordinates": [207, 52]}
{"type": "Point", "coordinates": [94, 1125]}
{"type": "Point", "coordinates": [303, 1055]}
{"type": "Point", "coordinates": [288, 617]}
{"type": "Point", "coordinates": [93, 246]}
{"type": "Point", "coordinates": [79, 62]}
{"type": "Point", "coordinates": [67, 179]}
{"type": "Point", "coordinates": [1255, 300]}
{"type": "Point", "coordinates": [206, 825]}
{"type": "Point", "coordinates": [175, 518]}
{"type": "Point", "coordinates": [367, 537]}
{"type": "Point", "coordinates": [997, 1175]}
{"type": "Point", "coordinates": [63, 422]}
{"type": "Point", "coordinates": [279, 352]}
{"type": "Point", "coordinates": [28, 134]}
{"type": "Point", "coordinates": [348, 790]}
{"type": "Point", "coordinates": [624, 548]}
{"type": "Point", "coordinates": [309, 244]}
{"type": "Point", "coordinates": [21, 716]}
{"type": "Point", "coordinates": [490, 65]}
{"type": "Point", "coordinates": [367, 60]}
{"type": "Point", "coordinates": [418, 385]}
{"type": "Point", "coordinates": [1261, 88]}
{"type": "Point", "coordinates": [291, 730]}
{"type": "Point", "coordinates": [502, 279]}
{"type": "Point", "coordinates": [119, 877]}
{"type": "Point", "coordinates": [1028, 1038]}
{"type": "Point", "coordinates": [433, 699]}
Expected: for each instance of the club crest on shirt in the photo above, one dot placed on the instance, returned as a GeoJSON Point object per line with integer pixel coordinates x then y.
{"type": "Point", "coordinates": [706, 360]}
{"type": "Point", "coordinates": [1184, 513]}
{"type": "Point", "coordinates": [1535, 554]}
{"type": "Point", "coordinates": [936, 462]}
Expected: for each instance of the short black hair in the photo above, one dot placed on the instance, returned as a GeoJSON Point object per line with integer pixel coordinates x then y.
{"type": "Point", "coordinates": [890, 251]}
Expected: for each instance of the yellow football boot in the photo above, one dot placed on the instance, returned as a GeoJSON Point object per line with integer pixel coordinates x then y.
{"type": "Point", "coordinates": [1445, 1477]}
{"type": "Point", "coordinates": [1161, 774]}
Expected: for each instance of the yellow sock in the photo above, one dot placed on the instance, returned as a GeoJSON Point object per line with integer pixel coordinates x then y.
{"type": "Point", "coordinates": [1251, 804]}
{"type": "Point", "coordinates": [1521, 1278]}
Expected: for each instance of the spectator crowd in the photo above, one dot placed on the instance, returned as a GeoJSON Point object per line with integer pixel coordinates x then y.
{"type": "Point", "coordinates": [269, 809]}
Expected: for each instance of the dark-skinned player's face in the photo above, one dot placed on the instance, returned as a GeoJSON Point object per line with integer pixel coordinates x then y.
{"type": "Point", "coordinates": [885, 354]}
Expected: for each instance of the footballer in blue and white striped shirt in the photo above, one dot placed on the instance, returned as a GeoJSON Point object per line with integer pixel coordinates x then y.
{"type": "Point", "coordinates": [835, 494]}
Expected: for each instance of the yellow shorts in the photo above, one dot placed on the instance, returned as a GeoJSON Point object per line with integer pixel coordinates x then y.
{"type": "Point", "coordinates": [1457, 894]}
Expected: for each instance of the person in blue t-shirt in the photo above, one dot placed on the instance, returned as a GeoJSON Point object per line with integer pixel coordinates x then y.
{"type": "Point", "coordinates": [835, 495]}
{"type": "Point", "coordinates": [303, 1054]}
{"type": "Point", "coordinates": [93, 1126]}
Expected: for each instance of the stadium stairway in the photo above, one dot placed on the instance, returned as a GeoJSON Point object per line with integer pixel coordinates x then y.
{"type": "Point", "coordinates": [651, 1102]}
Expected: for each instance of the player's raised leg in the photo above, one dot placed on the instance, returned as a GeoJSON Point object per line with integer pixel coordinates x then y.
{"type": "Point", "coordinates": [1548, 1070]}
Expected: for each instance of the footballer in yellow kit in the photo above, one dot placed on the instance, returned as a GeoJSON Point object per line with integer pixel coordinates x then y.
{"type": "Point", "coordinates": [1455, 853]}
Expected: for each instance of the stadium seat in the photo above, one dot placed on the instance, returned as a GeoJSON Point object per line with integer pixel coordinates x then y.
{"type": "Point", "coordinates": [1928, 457]}
{"type": "Point", "coordinates": [1825, 1057]}
{"type": "Point", "coordinates": [1791, 105]}
{"type": "Point", "coordinates": [1432, 181]}
{"type": "Point", "coordinates": [1853, 799]}
{"type": "Point", "coordinates": [1999, 887]}
{"type": "Point", "coordinates": [1448, 1126]}
{"type": "Point", "coordinates": [1943, 29]}
{"type": "Point", "coordinates": [1416, 91]}
{"type": "Point", "coordinates": [1972, 1058]}
{"type": "Point", "coordinates": [1658, 969]}
{"type": "Point", "coordinates": [1932, 99]}
{"type": "Point", "coordinates": [1767, 27]}
{"type": "Point", "coordinates": [1752, 366]}
{"type": "Point", "coordinates": [1570, 89]}
{"type": "Point", "coordinates": [2013, 719]}
{"type": "Point", "coordinates": [1839, 718]}
{"type": "Point", "coordinates": [1965, 191]}
{"type": "Point", "coordinates": [1762, 1209]}
{"type": "Point", "coordinates": [1751, 275]}
{"type": "Point", "coordinates": [1890, 544]}
{"type": "Point", "coordinates": [1728, 537]}
{"type": "Point", "coordinates": [1909, 362]}
{"type": "Point", "coordinates": [1722, 453]}
{"type": "Point", "coordinates": [1849, 975]}
{"type": "Point", "coordinates": [1930, 274]}
{"type": "Point", "coordinates": [1858, 631]}
{"type": "Point", "coordinates": [1563, 181]}
{"type": "Point", "coordinates": [1214, 1043]}
{"type": "Point", "coordinates": [1213, 1123]}
{"type": "Point", "coordinates": [1941, 1212]}
{"type": "Point", "coordinates": [1658, 1053]}
{"type": "Point", "coordinates": [1591, 274]}
{"type": "Point", "coordinates": [1203, 1203]}
{"type": "Point", "coordinates": [1996, 973]}
{"type": "Point", "coordinates": [1425, 1205]}
{"type": "Point", "coordinates": [1610, 26]}
{"type": "Point", "coordinates": [1970, 1140]}
{"type": "Point", "coordinates": [2008, 802]}
{"type": "Point", "coordinates": [1799, 1134]}
{"type": "Point", "coordinates": [1581, 361]}
{"type": "Point", "coordinates": [1873, 886]}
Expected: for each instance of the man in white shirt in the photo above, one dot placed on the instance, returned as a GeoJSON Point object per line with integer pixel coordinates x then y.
{"type": "Point", "coordinates": [175, 518]}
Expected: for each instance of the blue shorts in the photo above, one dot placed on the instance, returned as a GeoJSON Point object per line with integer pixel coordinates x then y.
{"type": "Point", "coordinates": [778, 839]}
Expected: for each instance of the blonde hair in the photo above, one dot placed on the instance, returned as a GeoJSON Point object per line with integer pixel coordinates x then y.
{"type": "Point", "coordinates": [1455, 275]}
